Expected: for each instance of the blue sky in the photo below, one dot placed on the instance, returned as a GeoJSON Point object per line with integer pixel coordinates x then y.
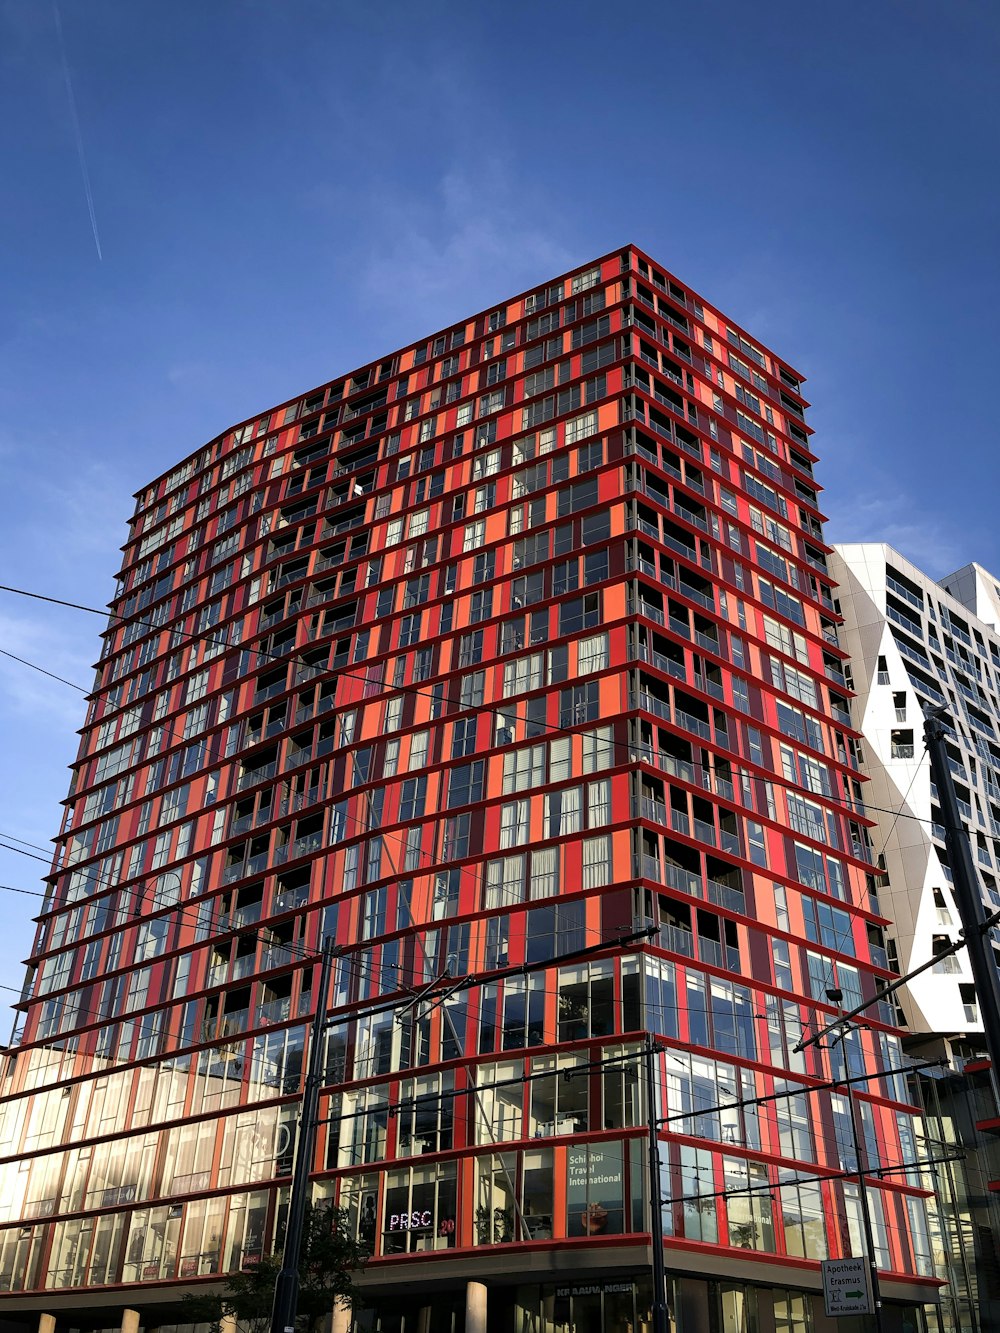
{"type": "Point", "coordinates": [285, 190]}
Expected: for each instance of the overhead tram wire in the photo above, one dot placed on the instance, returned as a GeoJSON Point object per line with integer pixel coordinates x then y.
{"type": "Point", "coordinates": [381, 1005]}
{"type": "Point", "coordinates": [515, 970]}
{"type": "Point", "coordinates": [566, 731]}
{"type": "Point", "coordinates": [548, 728]}
{"type": "Point", "coordinates": [551, 729]}
{"type": "Point", "coordinates": [51, 674]}
{"type": "Point", "coordinates": [344, 673]}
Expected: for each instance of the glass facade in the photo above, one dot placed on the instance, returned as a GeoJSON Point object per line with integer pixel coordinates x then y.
{"type": "Point", "coordinates": [510, 663]}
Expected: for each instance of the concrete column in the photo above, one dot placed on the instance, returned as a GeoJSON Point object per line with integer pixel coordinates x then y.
{"type": "Point", "coordinates": [424, 1319]}
{"type": "Point", "coordinates": [130, 1321]}
{"type": "Point", "coordinates": [227, 1324]}
{"type": "Point", "coordinates": [342, 1315]}
{"type": "Point", "coordinates": [46, 1323]}
{"type": "Point", "coordinates": [475, 1307]}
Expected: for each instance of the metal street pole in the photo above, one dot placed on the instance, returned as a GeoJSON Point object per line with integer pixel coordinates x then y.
{"type": "Point", "coordinates": [861, 1157]}
{"type": "Point", "coordinates": [968, 892]}
{"type": "Point", "coordinates": [660, 1314]}
{"type": "Point", "coordinates": [286, 1287]}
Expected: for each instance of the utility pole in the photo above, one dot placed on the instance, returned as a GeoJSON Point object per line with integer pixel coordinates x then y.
{"type": "Point", "coordinates": [660, 1314]}
{"type": "Point", "coordinates": [861, 1158]}
{"type": "Point", "coordinates": [286, 1287]}
{"type": "Point", "coordinates": [968, 891]}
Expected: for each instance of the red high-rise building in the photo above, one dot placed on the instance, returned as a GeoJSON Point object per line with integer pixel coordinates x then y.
{"type": "Point", "coordinates": [482, 660]}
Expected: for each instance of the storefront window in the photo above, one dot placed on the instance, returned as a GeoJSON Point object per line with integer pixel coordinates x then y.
{"type": "Point", "coordinates": [496, 1108]}
{"type": "Point", "coordinates": [595, 1190]}
{"type": "Point", "coordinates": [586, 1001]}
{"type": "Point", "coordinates": [792, 1312]}
{"type": "Point", "coordinates": [558, 1098]}
{"type": "Point", "coordinates": [802, 1216]}
{"type": "Point", "coordinates": [502, 1178]}
{"type": "Point", "coordinates": [359, 1199]}
{"type": "Point", "coordinates": [596, 1307]}
{"type": "Point", "coordinates": [620, 1088]}
{"type": "Point", "coordinates": [246, 1231]}
{"type": "Point", "coordinates": [496, 1220]}
{"type": "Point", "coordinates": [426, 1114]}
{"type": "Point", "coordinates": [152, 1245]}
{"type": "Point", "coordinates": [419, 1212]}
{"type": "Point", "coordinates": [697, 1215]}
{"type": "Point", "coordinates": [536, 1193]}
{"type": "Point", "coordinates": [201, 1242]}
{"type": "Point", "coordinates": [748, 1205]}
{"type": "Point", "coordinates": [734, 1308]}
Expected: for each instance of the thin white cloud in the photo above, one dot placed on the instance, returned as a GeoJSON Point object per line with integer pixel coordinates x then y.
{"type": "Point", "coordinates": [477, 231]}
{"type": "Point", "coordinates": [932, 543]}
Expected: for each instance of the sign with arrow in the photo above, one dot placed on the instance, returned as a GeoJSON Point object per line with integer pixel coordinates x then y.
{"type": "Point", "coordinates": [847, 1287]}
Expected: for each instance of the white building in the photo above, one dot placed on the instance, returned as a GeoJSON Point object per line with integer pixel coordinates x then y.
{"type": "Point", "coordinates": [916, 644]}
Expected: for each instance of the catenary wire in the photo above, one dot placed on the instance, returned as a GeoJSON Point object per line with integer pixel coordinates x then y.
{"type": "Point", "coordinates": [549, 728]}
{"type": "Point", "coordinates": [51, 674]}
{"type": "Point", "coordinates": [426, 692]}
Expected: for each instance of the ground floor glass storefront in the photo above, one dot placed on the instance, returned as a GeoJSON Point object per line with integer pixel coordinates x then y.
{"type": "Point", "coordinates": [599, 1307]}
{"type": "Point", "coordinates": [624, 1305]}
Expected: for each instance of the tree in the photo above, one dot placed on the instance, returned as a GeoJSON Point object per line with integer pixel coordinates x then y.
{"type": "Point", "coordinates": [330, 1257]}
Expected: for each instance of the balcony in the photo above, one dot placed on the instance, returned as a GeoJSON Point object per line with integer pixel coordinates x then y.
{"type": "Point", "coordinates": [289, 900]}
{"type": "Point", "coordinates": [718, 955]}
{"type": "Point", "coordinates": [658, 707]}
{"type": "Point", "coordinates": [676, 940]}
{"type": "Point", "coordinates": [648, 867]}
{"type": "Point", "coordinates": [667, 665]}
{"type": "Point", "coordinates": [904, 622]}
{"type": "Point", "coordinates": [692, 724]}
{"type": "Point", "coordinates": [274, 1011]}
{"type": "Point", "coordinates": [702, 598]}
{"type": "Point", "coordinates": [240, 918]}
{"type": "Point", "coordinates": [705, 833]}
{"type": "Point", "coordinates": [689, 515]}
{"type": "Point", "coordinates": [668, 763]}
{"type": "Point", "coordinates": [270, 690]}
{"type": "Point", "coordinates": [728, 841]}
{"type": "Point", "coordinates": [905, 593]}
{"type": "Point", "coordinates": [724, 895]}
{"type": "Point", "coordinates": [235, 1023]}
{"type": "Point", "coordinates": [243, 966]}
{"type": "Point", "coordinates": [681, 548]}
{"type": "Point", "coordinates": [307, 845]}
{"type": "Point", "coordinates": [644, 807]}
{"type": "Point", "coordinates": [685, 881]}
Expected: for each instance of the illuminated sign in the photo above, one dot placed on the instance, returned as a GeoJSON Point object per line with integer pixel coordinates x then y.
{"type": "Point", "coordinates": [420, 1220]}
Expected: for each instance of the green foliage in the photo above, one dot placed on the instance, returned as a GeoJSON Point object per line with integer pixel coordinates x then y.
{"type": "Point", "coordinates": [330, 1258]}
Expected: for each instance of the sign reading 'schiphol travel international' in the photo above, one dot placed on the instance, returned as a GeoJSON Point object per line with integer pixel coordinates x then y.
{"type": "Point", "coordinates": [847, 1287]}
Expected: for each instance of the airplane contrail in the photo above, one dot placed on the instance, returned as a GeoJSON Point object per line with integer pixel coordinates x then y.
{"type": "Point", "coordinates": [79, 136]}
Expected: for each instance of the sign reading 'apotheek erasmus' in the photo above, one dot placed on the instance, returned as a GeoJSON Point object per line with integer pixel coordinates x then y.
{"type": "Point", "coordinates": [847, 1287]}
